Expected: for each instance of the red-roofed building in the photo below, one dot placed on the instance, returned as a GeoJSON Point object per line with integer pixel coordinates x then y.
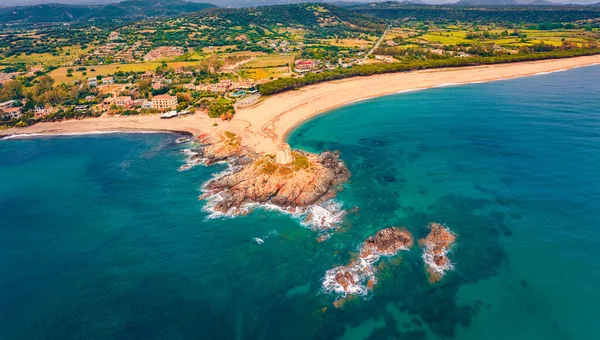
{"type": "Point", "coordinates": [305, 65]}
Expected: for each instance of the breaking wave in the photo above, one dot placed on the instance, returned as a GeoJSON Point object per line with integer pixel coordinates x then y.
{"type": "Point", "coordinates": [429, 256]}
{"type": "Point", "coordinates": [362, 275]}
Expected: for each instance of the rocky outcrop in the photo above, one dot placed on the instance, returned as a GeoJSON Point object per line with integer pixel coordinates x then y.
{"type": "Point", "coordinates": [358, 277]}
{"type": "Point", "coordinates": [387, 242]}
{"type": "Point", "coordinates": [259, 179]}
{"type": "Point", "coordinates": [436, 246]}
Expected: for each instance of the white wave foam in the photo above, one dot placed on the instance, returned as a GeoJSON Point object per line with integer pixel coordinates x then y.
{"type": "Point", "coordinates": [447, 85]}
{"type": "Point", "coordinates": [37, 135]}
{"type": "Point", "coordinates": [411, 90]}
{"type": "Point", "coordinates": [362, 271]}
{"type": "Point", "coordinates": [326, 216]}
{"type": "Point", "coordinates": [429, 257]}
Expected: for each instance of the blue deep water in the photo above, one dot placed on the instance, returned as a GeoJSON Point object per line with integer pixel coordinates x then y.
{"type": "Point", "coordinates": [102, 238]}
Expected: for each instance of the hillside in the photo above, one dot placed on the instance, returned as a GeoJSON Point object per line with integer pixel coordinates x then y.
{"type": "Point", "coordinates": [487, 3]}
{"type": "Point", "coordinates": [133, 9]}
{"type": "Point", "coordinates": [319, 19]}
{"type": "Point", "coordinates": [479, 13]}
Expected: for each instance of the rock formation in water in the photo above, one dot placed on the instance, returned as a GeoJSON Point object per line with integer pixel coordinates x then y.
{"type": "Point", "coordinates": [435, 251]}
{"type": "Point", "coordinates": [304, 181]}
{"type": "Point", "coordinates": [358, 277]}
{"type": "Point", "coordinates": [387, 242]}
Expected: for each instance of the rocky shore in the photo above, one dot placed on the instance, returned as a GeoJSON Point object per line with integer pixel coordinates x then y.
{"type": "Point", "coordinates": [303, 181]}
{"type": "Point", "coordinates": [358, 277]}
{"type": "Point", "coordinates": [436, 246]}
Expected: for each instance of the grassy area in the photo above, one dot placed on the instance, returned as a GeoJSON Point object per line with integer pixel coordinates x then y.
{"type": "Point", "coordinates": [60, 74]}
{"type": "Point", "coordinates": [451, 38]}
{"type": "Point", "coordinates": [359, 43]}
{"type": "Point", "coordinates": [272, 60]}
{"type": "Point", "coordinates": [68, 54]}
{"type": "Point", "coordinates": [265, 73]}
{"type": "Point", "coordinates": [217, 48]}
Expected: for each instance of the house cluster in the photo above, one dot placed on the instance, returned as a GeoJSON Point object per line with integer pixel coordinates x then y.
{"type": "Point", "coordinates": [161, 102]}
{"type": "Point", "coordinates": [164, 52]}
{"type": "Point", "coordinates": [281, 46]}
{"type": "Point", "coordinates": [103, 81]}
{"type": "Point", "coordinates": [120, 51]}
{"type": "Point", "coordinates": [222, 86]}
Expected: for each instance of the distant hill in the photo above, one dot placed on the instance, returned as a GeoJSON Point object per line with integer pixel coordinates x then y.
{"type": "Point", "coordinates": [482, 13]}
{"type": "Point", "coordinates": [305, 14]}
{"type": "Point", "coordinates": [487, 3]}
{"type": "Point", "coordinates": [541, 3]}
{"type": "Point", "coordinates": [133, 9]}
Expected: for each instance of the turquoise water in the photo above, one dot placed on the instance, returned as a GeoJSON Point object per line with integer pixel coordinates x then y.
{"type": "Point", "coordinates": [102, 238]}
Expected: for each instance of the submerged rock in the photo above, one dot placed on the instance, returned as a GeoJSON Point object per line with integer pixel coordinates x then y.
{"type": "Point", "coordinates": [436, 246]}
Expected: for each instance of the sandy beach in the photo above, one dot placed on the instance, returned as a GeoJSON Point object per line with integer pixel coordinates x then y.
{"type": "Point", "coordinates": [267, 124]}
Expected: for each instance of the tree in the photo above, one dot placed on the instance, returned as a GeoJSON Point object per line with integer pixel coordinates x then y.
{"type": "Point", "coordinates": [12, 90]}
{"type": "Point", "coordinates": [221, 108]}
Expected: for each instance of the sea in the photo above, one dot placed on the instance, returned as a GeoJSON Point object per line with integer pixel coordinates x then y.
{"type": "Point", "coordinates": [101, 237]}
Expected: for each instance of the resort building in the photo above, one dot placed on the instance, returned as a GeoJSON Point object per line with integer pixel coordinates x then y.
{"type": "Point", "coordinates": [7, 105]}
{"type": "Point", "coordinates": [164, 102]}
{"type": "Point", "coordinates": [13, 112]}
{"type": "Point", "coordinates": [305, 65]}
{"type": "Point", "coordinates": [123, 101]}
{"type": "Point", "coordinates": [41, 111]}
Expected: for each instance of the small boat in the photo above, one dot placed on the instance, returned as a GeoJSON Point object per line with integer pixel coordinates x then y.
{"type": "Point", "coordinates": [258, 240]}
{"type": "Point", "coordinates": [181, 140]}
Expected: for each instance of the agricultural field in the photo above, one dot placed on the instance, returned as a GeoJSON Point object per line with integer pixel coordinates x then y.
{"type": "Point", "coordinates": [272, 60]}
{"type": "Point", "coordinates": [258, 74]}
{"type": "Point", "coordinates": [351, 42]}
{"type": "Point", "coordinates": [416, 35]}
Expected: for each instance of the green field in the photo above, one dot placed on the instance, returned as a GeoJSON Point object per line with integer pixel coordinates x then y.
{"type": "Point", "coordinates": [47, 59]}
{"type": "Point", "coordinates": [273, 60]}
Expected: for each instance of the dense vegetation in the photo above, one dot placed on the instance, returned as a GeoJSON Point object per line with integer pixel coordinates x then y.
{"type": "Point", "coordinates": [481, 14]}
{"type": "Point", "coordinates": [132, 10]}
{"type": "Point", "coordinates": [280, 85]}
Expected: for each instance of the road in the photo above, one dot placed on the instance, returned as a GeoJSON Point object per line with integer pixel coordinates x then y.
{"type": "Point", "coordinates": [377, 43]}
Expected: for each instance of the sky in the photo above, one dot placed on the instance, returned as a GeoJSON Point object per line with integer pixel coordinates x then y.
{"type": "Point", "coordinates": [225, 3]}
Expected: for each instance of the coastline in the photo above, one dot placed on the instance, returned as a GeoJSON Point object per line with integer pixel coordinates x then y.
{"type": "Point", "coordinates": [265, 126]}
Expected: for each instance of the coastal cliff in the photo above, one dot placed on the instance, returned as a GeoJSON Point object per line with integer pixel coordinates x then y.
{"type": "Point", "coordinates": [254, 179]}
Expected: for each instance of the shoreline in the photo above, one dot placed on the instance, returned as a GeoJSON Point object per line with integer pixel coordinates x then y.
{"type": "Point", "coordinates": [92, 133]}
{"type": "Point", "coordinates": [267, 125]}
{"type": "Point", "coordinates": [291, 129]}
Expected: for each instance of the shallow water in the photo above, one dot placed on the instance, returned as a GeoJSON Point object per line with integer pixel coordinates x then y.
{"type": "Point", "coordinates": [102, 237]}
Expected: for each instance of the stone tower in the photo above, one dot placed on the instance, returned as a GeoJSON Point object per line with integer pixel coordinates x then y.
{"type": "Point", "coordinates": [284, 154]}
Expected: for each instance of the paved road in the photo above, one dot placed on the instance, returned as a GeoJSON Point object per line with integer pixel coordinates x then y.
{"type": "Point", "coordinates": [377, 43]}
